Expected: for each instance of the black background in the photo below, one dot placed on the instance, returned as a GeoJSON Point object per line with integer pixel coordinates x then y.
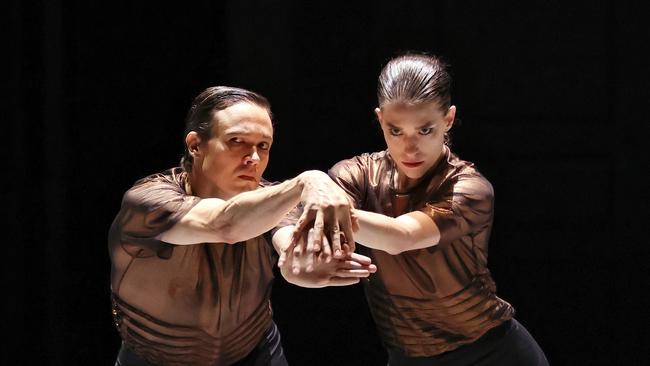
{"type": "Point", "coordinates": [552, 108]}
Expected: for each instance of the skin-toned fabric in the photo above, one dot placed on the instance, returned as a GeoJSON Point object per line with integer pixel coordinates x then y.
{"type": "Point", "coordinates": [432, 300]}
{"type": "Point", "coordinates": [268, 352]}
{"type": "Point", "coordinates": [203, 304]}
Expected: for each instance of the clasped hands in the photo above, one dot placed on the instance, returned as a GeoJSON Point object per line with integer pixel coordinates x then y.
{"type": "Point", "coordinates": [322, 241]}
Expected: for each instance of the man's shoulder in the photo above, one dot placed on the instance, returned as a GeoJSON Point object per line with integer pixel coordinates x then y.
{"type": "Point", "coordinates": [174, 177]}
{"type": "Point", "coordinates": [158, 187]}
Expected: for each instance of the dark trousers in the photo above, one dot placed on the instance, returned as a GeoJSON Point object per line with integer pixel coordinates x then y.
{"type": "Point", "coordinates": [509, 344]}
{"type": "Point", "coordinates": [267, 353]}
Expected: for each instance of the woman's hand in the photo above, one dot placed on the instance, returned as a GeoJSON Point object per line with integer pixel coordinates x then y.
{"type": "Point", "coordinates": [313, 269]}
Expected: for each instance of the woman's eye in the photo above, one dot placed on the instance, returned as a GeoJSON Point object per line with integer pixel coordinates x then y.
{"type": "Point", "coordinates": [426, 131]}
{"type": "Point", "coordinates": [395, 131]}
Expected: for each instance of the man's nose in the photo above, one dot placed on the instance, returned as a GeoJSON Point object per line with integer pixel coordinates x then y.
{"type": "Point", "coordinates": [253, 158]}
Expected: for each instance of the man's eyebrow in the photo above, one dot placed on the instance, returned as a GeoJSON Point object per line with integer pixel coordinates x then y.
{"type": "Point", "coordinates": [246, 131]}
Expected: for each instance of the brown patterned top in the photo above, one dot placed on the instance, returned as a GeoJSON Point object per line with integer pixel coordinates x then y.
{"type": "Point", "coordinates": [429, 301]}
{"type": "Point", "coordinates": [202, 304]}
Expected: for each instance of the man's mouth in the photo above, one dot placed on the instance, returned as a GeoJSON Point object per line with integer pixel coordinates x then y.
{"type": "Point", "coordinates": [247, 177]}
{"type": "Point", "coordinates": [412, 164]}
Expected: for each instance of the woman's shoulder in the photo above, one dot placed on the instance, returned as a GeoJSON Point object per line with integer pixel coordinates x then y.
{"type": "Point", "coordinates": [365, 159]}
{"type": "Point", "coordinates": [466, 173]}
{"type": "Point", "coordinates": [361, 167]}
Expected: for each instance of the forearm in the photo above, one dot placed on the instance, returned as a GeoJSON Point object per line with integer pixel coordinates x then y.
{"type": "Point", "coordinates": [255, 212]}
{"type": "Point", "coordinates": [252, 213]}
{"type": "Point", "coordinates": [240, 218]}
{"type": "Point", "coordinates": [395, 235]}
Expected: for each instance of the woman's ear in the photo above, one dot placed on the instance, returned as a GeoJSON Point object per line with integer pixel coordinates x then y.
{"type": "Point", "coordinates": [378, 114]}
{"type": "Point", "coordinates": [450, 117]}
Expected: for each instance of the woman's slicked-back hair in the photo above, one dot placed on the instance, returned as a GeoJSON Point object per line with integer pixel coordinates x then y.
{"type": "Point", "coordinates": [200, 117]}
{"type": "Point", "coordinates": [414, 79]}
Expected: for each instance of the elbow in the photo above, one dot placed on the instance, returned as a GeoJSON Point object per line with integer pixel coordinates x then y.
{"type": "Point", "coordinates": [403, 240]}
{"type": "Point", "coordinates": [228, 233]}
{"type": "Point", "coordinates": [233, 238]}
{"type": "Point", "coordinates": [400, 242]}
{"type": "Point", "coordinates": [230, 228]}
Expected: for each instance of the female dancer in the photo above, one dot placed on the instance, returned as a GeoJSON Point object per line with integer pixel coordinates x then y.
{"type": "Point", "coordinates": [424, 218]}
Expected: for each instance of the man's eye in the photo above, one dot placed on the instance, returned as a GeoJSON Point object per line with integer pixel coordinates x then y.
{"type": "Point", "coordinates": [426, 131]}
{"type": "Point", "coordinates": [236, 140]}
{"type": "Point", "coordinates": [263, 146]}
{"type": "Point", "coordinates": [395, 131]}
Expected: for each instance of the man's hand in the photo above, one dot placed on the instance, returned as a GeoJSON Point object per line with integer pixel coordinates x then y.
{"type": "Point", "coordinates": [328, 207]}
{"type": "Point", "coordinates": [311, 269]}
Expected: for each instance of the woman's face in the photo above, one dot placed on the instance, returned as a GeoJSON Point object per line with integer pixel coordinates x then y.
{"type": "Point", "coordinates": [415, 134]}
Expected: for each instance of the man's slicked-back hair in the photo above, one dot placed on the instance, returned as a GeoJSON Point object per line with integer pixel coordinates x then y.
{"type": "Point", "coordinates": [200, 117]}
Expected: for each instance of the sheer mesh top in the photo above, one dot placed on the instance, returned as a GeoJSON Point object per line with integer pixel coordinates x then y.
{"type": "Point", "coordinates": [202, 304]}
{"type": "Point", "coordinates": [429, 301]}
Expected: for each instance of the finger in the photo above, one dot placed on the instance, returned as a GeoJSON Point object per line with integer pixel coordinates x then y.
{"type": "Point", "coordinates": [352, 265]}
{"type": "Point", "coordinates": [283, 253]}
{"type": "Point", "coordinates": [309, 253]}
{"type": "Point", "coordinates": [288, 260]}
{"type": "Point", "coordinates": [346, 227]}
{"type": "Point", "coordinates": [295, 256]}
{"type": "Point", "coordinates": [300, 225]}
{"type": "Point", "coordinates": [356, 265]}
{"type": "Point", "coordinates": [336, 240]}
{"type": "Point", "coordinates": [298, 248]}
{"type": "Point", "coordinates": [283, 258]}
{"type": "Point", "coordinates": [343, 281]}
{"type": "Point", "coordinates": [346, 246]}
{"type": "Point", "coordinates": [319, 225]}
{"type": "Point", "coordinates": [360, 272]}
{"type": "Point", "coordinates": [295, 265]}
{"type": "Point", "coordinates": [360, 258]}
{"type": "Point", "coordinates": [325, 254]}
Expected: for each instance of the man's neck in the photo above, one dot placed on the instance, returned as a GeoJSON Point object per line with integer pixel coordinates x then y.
{"type": "Point", "coordinates": [198, 185]}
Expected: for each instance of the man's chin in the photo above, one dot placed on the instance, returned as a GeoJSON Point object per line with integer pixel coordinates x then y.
{"type": "Point", "coordinates": [248, 185]}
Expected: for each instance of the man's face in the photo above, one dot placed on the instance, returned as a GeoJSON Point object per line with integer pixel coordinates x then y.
{"type": "Point", "coordinates": [236, 155]}
{"type": "Point", "coordinates": [415, 135]}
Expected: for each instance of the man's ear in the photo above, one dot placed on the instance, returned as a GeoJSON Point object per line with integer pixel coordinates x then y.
{"type": "Point", "coordinates": [193, 144]}
{"type": "Point", "coordinates": [450, 117]}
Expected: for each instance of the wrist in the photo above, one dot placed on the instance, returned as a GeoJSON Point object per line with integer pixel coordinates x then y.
{"type": "Point", "coordinates": [309, 176]}
{"type": "Point", "coordinates": [310, 180]}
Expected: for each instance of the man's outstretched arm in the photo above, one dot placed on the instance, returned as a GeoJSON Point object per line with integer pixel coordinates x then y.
{"type": "Point", "coordinates": [252, 213]}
